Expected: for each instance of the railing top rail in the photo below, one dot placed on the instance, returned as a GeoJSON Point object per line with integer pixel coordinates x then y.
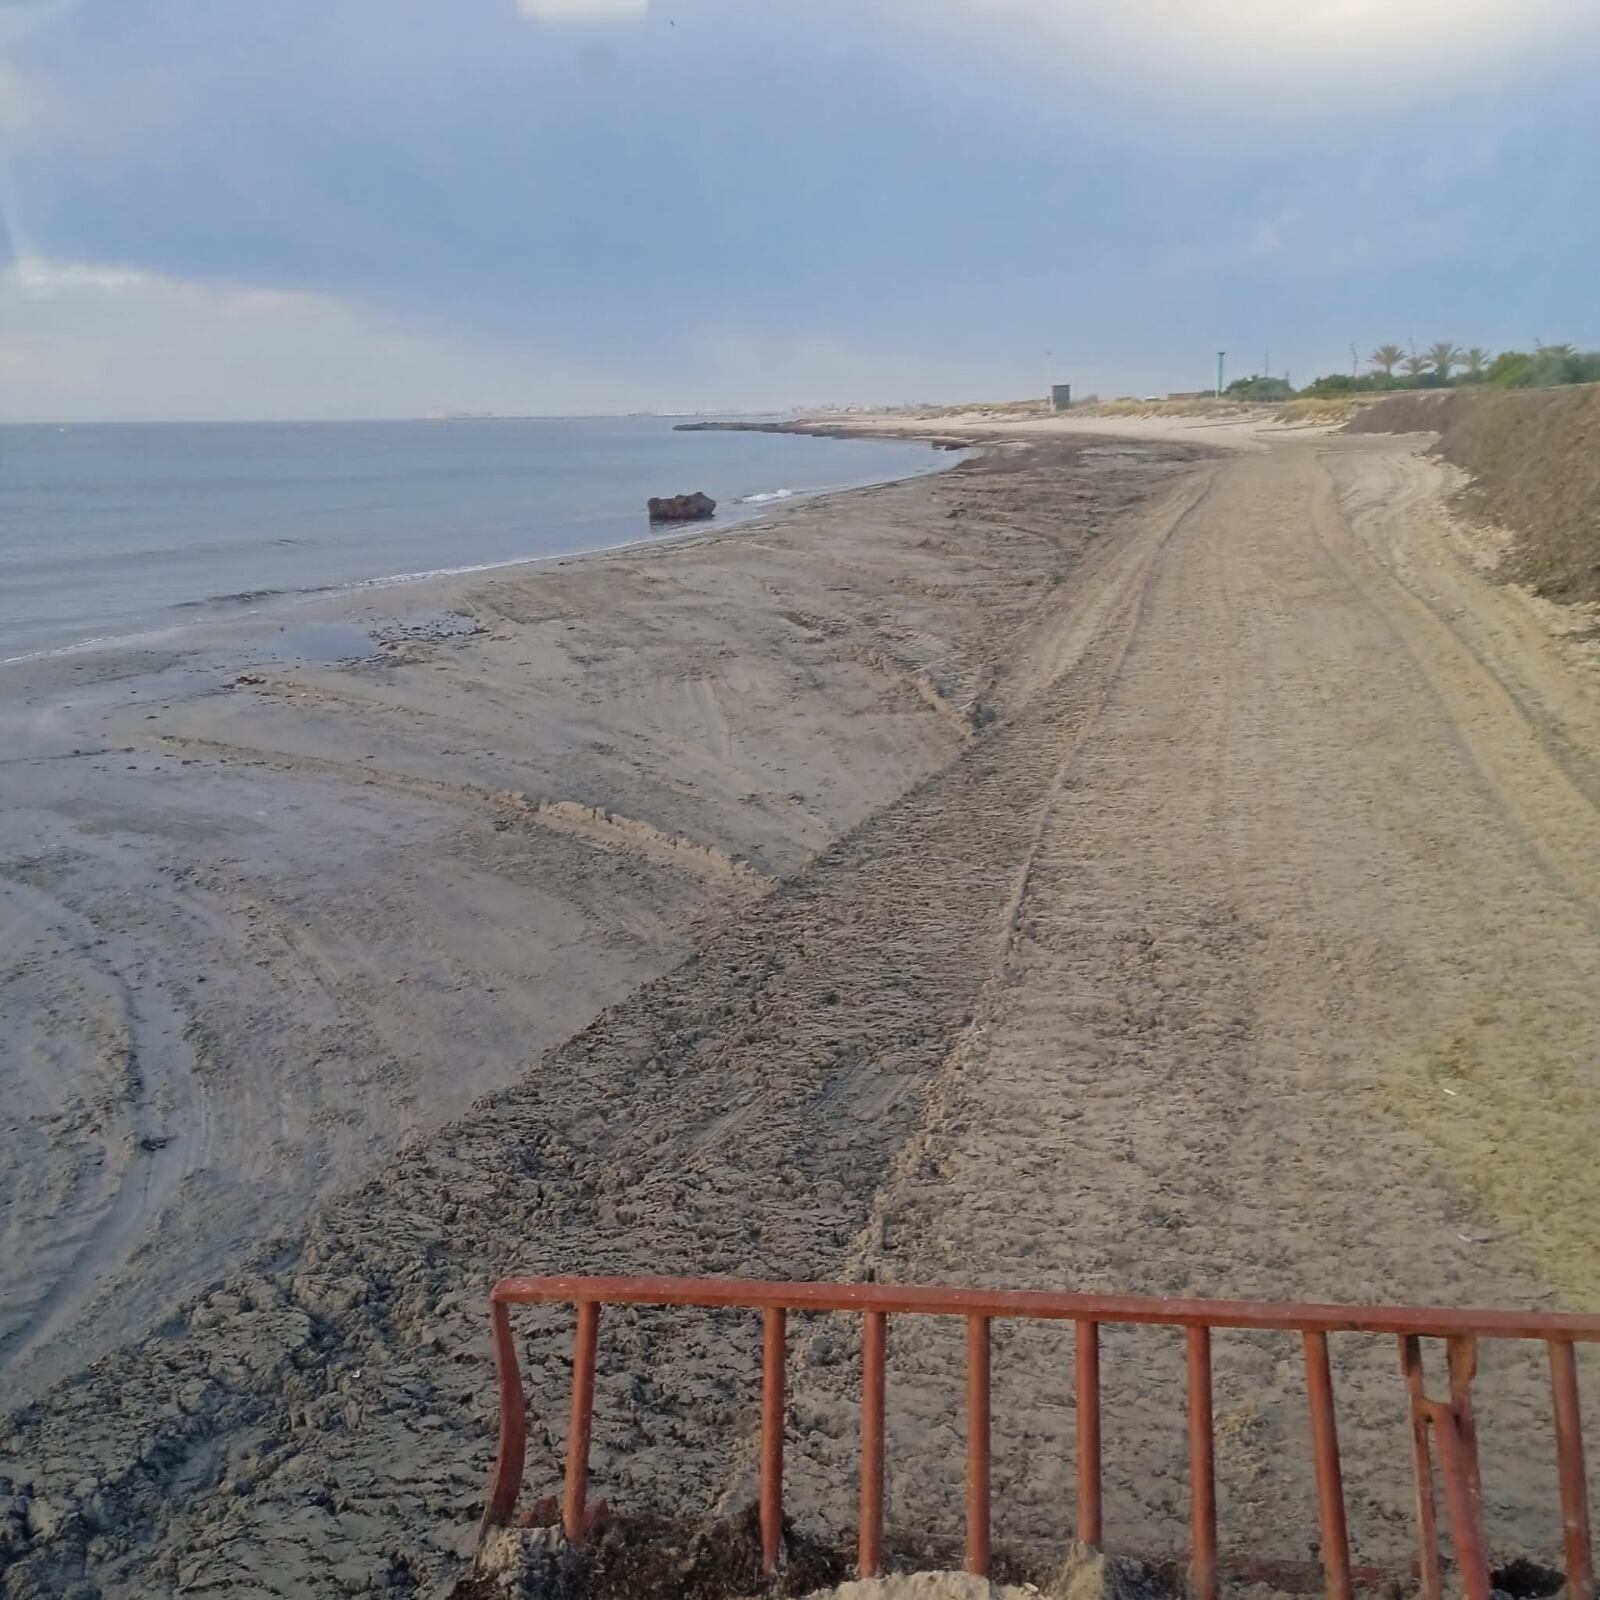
{"type": "Point", "coordinates": [1284, 1317]}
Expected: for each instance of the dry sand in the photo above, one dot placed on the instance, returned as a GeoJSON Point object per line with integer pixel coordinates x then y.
{"type": "Point", "coordinates": [1248, 432]}
{"type": "Point", "coordinates": [1081, 869]}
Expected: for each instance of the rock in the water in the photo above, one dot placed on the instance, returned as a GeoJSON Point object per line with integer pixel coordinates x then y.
{"type": "Point", "coordinates": [682, 508]}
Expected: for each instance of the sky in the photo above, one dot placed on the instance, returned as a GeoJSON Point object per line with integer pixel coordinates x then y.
{"type": "Point", "coordinates": [364, 208]}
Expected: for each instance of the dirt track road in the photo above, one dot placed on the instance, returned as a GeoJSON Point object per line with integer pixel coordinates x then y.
{"type": "Point", "coordinates": [1253, 950]}
{"type": "Point", "coordinates": [1301, 1002]}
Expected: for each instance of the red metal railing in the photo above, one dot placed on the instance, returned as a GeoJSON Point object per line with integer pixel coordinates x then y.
{"type": "Point", "coordinates": [1450, 1426]}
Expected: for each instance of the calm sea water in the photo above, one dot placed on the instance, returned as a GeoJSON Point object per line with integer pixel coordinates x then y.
{"type": "Point", "coordinates": [116, 529]}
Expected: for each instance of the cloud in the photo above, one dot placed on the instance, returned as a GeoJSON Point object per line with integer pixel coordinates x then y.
{"type": "Point", "coordinates": [582, 10]}
{"type": "Point", "coordinates": [87, 341]}
{"type": "Point", "coordinates": [1342, 47]}
{"type": "Point", "coordinates": [19, 18]}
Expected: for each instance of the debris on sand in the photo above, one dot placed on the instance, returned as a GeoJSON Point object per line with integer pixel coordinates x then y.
{"type": "Point", "coordinates": [720, 1559]}
{"type": "Point", "coordinates": [635, 1557]}
{"type": "Point", "coordinates": [1089, 1574]}
{"type": "Point", "coordinates": [928, 1586]}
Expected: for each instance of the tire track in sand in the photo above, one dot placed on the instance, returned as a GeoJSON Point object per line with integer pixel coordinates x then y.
{"type": "Point", "coordinates": [1185, 1083]}
{"type": "Point", "coordinates": [1081, 665]}
{"type": "Point", "coordinates": [167, 1124]}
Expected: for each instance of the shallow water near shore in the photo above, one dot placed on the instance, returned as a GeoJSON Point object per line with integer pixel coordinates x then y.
{"type": "Point", "coordinates": [112, 530]}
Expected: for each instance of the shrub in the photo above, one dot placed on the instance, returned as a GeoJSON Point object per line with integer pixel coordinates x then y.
{"type": "Point", "coordinates": [1268, 390]}
{"type": "Point", "coordinates": [1548, 367]}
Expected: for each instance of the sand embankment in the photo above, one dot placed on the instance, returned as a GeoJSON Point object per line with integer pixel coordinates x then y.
{"type": "Point", "coordinates": [1535, 465]}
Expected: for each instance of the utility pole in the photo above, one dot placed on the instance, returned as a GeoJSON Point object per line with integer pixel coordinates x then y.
{"type": "Point", "coordinates": [1221, 355]}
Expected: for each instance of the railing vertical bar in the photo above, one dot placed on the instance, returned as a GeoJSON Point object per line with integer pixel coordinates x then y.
{"type": "Point", "coordinates": [1422, 1469]}
{"type": "Point", "coordinates": [510, 1457]}
{"type": "Point", "coordinates": [1087, 1377]}
{"type": "Point", "coordinates": [1569, 1456]}
{"type": "Point", "coordinates": [1466, 1526]}
{"type": "Point", "coordinates": [869, 1555]}
{"type": "Point", "coordinates": [580, 1424]}
{"type": "Point", "coordinates": [772, 1418]}
{"type": "Point", "coordinates": [1330, 1480]}
{"type": "Point", "coordinates": [1202, 1467]}
{"type": "Point", "coordinates": [1463, 1354]}
{"type": "Point", "coordinates": [978, 1438]}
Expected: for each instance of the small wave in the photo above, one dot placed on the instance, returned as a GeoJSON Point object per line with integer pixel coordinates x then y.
{"type": "Point", "coordinates": [242, 597]}
{"type": "Point", "coordinates": [764, 499]}
{"type": "Point", "coordinates": [51, 651]}
{"type": "Point", "coordinates": [249, 597]}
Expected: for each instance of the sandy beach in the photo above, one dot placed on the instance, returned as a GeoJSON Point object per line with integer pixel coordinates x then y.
{"type": "Point", "coordinates": [269, 921]}
{"type": "Point", "coordinates": [1092, 866]}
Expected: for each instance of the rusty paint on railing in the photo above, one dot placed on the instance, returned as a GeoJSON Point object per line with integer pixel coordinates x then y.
{"type": "Point", "coordinates": [1450, 1427]}
{"type": "Point", "coordinates": [773, 1360]}
{"type": "Point", "coordinates": [1087, 1383]}
{"type": "Point", "coordinates": [1325, 1457]}
{"type": "Point", "coordinates": [1574, 1484]}
{"type": "Point", "coordinates": [874, 1364]}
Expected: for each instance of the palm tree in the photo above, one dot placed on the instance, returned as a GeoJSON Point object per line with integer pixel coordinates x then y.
{"type": "Point", "coordinates": [1416, 365]}
{"type": "Point", "coordinates": [1476, 359]}
{"type": "Point", "coordinates": [1442, 357]}
{"type": "Point", "coordinates": [1385, 357]}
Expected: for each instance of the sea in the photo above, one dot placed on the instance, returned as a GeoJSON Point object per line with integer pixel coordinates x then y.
{"type": "Point", "coordinates": [117, 530]}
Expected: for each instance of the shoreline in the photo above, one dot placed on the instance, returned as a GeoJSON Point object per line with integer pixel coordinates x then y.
{"type": "Point", "coordinates": [732, 514]}
{"type": "Point", "coordinates": [343, 624]}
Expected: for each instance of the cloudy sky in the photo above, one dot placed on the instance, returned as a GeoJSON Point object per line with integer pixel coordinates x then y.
{"type": "Point", "coordinates": [244, 208]}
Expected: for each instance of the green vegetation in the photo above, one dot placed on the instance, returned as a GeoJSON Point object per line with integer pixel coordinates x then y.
{"type": "Point", "coordinates": [1267, 390]}
{"type": "Point", "coordinates": [1545, 367]}
{"type": "Point", "coordinates": [1341, 383]}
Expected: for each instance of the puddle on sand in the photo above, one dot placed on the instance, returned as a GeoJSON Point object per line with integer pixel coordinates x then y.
{"type": "Point", "coordinates": [311, 643]}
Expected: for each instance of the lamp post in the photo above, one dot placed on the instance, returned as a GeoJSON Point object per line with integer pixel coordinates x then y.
{"type": "Point", "coordinates": [1221, 354]}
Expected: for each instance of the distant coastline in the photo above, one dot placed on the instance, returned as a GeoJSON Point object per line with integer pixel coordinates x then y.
{"type": "Point", "coordinates": [811, 428]}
